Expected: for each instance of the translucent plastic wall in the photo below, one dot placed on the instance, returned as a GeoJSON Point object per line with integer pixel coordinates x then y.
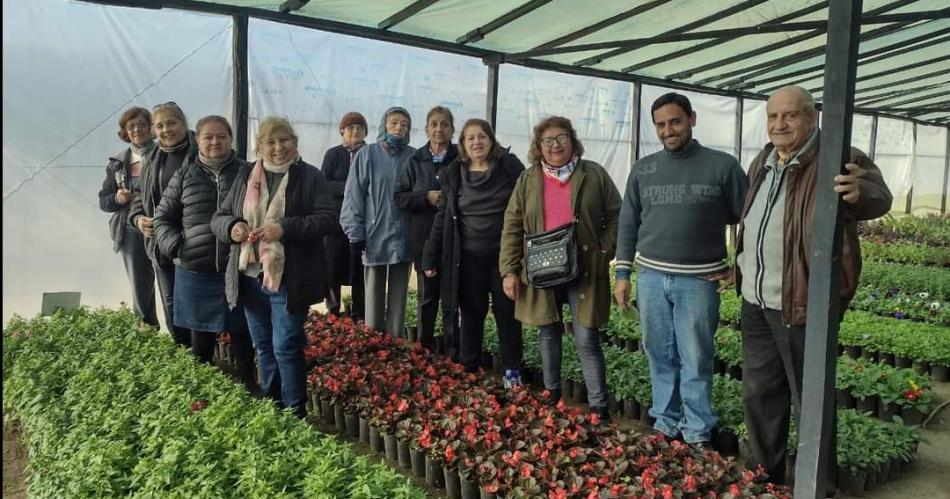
{"type": "Point", "coordinates": [69, 70]}
{"type": "Point", "coordinates": [929, 182]}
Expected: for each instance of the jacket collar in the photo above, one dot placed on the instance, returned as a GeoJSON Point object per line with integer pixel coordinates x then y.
{"type": "Point", "coordinates": [801, 158]}
{"type": "Point", "coordinates": [424, 154]}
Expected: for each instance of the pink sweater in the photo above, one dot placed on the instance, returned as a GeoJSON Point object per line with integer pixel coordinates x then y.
{"type": "Point", "coordinates": [557, 203]}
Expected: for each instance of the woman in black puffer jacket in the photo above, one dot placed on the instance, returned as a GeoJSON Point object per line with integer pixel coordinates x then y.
{"type": "Point", "coordinates": [183, 234]}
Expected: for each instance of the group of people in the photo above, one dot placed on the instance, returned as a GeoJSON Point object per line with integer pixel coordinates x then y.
{"type": "Point", "coordinates": [247, 248]}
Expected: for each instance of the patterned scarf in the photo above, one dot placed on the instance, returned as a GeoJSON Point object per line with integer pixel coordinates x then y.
{"type": "Point", "coordinates": [560, 173]}
{"type": "Point", "coordinates": [353, 149]}
{"type": "Point", "coordinates": [257, 213]}
{"type": "Point", "coordinates": [215, 164]}
{"type": "Point", "coordinates": [181, 145]}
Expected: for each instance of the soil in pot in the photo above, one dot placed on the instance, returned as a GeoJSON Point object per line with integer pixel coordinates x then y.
{"type": "Point", "coordinates": [434, 475]}
{"type": "Point", "coordinates": [418, 459]}
{"type": "Point", "coordinates": [851, 482]}
{"type": "Point", "coordinates": [392, 452]}
{"type": "Point", "coordinates": [405, 456]}
{"type": "Point", "coordinates": [453, 486]}
{"type": "Point", "coordinates": [364, 430]}
{"type": "Point", "coordinates": [580, 392]}
{"type": "Point", "coordinates": [352, 423]}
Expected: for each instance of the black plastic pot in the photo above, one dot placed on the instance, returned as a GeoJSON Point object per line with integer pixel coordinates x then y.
{"type": "Point", "coordinates": [631, 344]}
{"type": "Point", "coordinates": [853, 351]}
{"type": "Point", "coordinates": [470, 489]}
{"type": "Point", "coordinates": [922, 366]}
{"type": "Point", "coordinates": [884, 472]}
{"type": "Point", "coordinates": [339, 418]}
{"type": "Point", "coordinates": [392, 452]}
{"type": "Point", "coordinates": [418, 458]}
{"type": "Point", "coordinates": [434, 475]}
{"type": "Point", "coordinates": [412, 332]}
{"type": "Point", "coordinates": [614, 405]}
{"type": "Point", "coordinates": [939, 373]}
{"type": "Point", "coordinates": [364, 430]}
{"type": "Point", "coordinates": [645, 416]}
{"type": "Point", "coordinates": [871, 478]}
{"type": "Point", "coordinates": [902, 362]}
{"type": "Point", "coordinates": [895, 470]}
{"type": "Point", "coordinates": [453, 486]}
{"type": "Point", "coordinates": [867, 353]}
{"type": "Point", "coordinates": [868, 404]}
{"type": "Point", "coordinates": [326, 411]}
{"type": "Point", "coordinates": [911, 416]}
{"type": "Point", "coordinates": [631, 409]}
{"type": "Point", "coordinates": [580, 392]}
{"type": "Point", "coordinates": [735, 372]}
{"type": "Point", "coordinates": [352, 424]}
{"type": "Point", "coordinates": [886, 358]}
{"type": "Point", "coordinates": [487, 495]}
{"type": "Point", "coordinates": [376, 440]}
{"type": "Point", "coordinates": [852, 482]}
{"type": "Point", "coordinates": [886, 412]}
{"type": "Point", "coordinates": [567, 388]}
{"type": "Point", "coordinates": [726, 442]}
{"type": "Point", "coordinates": [405, 456]}
{"type": "Point", "coordinates": [845, 399]}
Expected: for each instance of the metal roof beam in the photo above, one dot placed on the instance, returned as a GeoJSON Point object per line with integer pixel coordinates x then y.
{"type": "Point", "coordinates": [870, 57]}
{"type": "Point", "coordinates": [480, 32]}
{"type": "Point", "coordinates": [886, 96]}
{"type": "Point", "coordinates": [898, 69]}
{"type": "Point", "coordinates": [891, 85]}
{"type": "Point", "coordinates": [748, 4]}
{"type": "Point", "coordinates": [411, 10]}
{"type": "Point", "coordinates": [800, 56]}
{"type": "Point", "coordinates": [291, 5]}
{"type": "Point", "coordinates": [920, 98]}
{"type": "Point", "coordinates": [719, 41]}
{"type": "Point", "coordinates": [606, 23]}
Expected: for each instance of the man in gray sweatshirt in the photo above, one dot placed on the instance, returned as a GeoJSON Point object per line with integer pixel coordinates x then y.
{"type": "Point", "coordinates": [673, 221]}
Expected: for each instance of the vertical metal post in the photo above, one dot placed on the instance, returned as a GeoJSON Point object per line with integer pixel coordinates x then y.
{"type": "Point", "coordinates": [491, 105]}
{"type": "Point", "coordinates": [910, 194]}
{"type": "Point", "coordinates": [732, 233]}
{"type": "Point", "coordinates": [816, 451]}
{"type": "Point", "coordinates": [240, 90]}
{"type": "Point", "coordinates": [637, 96]}
{"type": "Point", "coordinates": [872, 148]}
{"type": "Point", "coordinates": [946, 175]}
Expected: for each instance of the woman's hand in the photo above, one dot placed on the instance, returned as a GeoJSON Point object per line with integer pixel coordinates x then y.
{"type": "Point", "coordinates": [512, 286]}
{"type": "Point", "coordinates": [268, 233]}
{"type": "Point", "coordinates": [146, 226]}
{"type": "Point", "coordinates": [123, 196]}
{"type": "Point", "coordinates": [239, 232]}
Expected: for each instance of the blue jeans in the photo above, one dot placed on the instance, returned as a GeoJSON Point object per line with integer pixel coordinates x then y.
{"type": "Point", "coordinates": [589, 351]}
{"type": "Point", "coordinates": [279, 340]}
{"type": "Point", "coordinates": [679, 315]}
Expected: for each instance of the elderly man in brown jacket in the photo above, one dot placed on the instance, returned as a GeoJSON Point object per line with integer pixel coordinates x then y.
{"type": "Point", "coordinates": [772, 264]}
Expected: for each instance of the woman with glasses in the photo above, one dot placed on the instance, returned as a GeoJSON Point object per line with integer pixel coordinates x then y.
{"type": "Point", "coordinates": [122, 177]}
{"type": "Point", "coordinates": [275, 217]}
{"type": "Point", "coordinates": [374, 224]}
{"type": "Point", "coordinates": [183, 233]}
{"type": "Point", "coordinates": [175, 144]}
{"type": "Point", "coordinates": [345, 263]}
{"type": "Point", "coordinates": [464, 246]}
{"type": "Point", "coordinates": [560, 188]}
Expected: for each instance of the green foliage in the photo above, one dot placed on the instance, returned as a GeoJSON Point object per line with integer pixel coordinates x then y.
{"type": "Point", "coordinates": [914, 340]}
{"type": "Point", "coordinates": [907, 253]}
{"type": "Point", "coordinates": [931, 230]}
{"type": "Point", "coordinates": [112, 409]}
{"type": "Point", "coordinates": [727, 402]}
{"type": "Point", "coordinates": [918, 307]}
{"type": "Point", "coordinates": [907, 278]}
{"type": "Point", "coordinates": [865, 442]}
{"type": "Point", "coordinates": [729, 346]}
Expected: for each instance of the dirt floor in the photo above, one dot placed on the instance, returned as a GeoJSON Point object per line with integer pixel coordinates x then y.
{"type": "Point", "coordinates": [14, 463]}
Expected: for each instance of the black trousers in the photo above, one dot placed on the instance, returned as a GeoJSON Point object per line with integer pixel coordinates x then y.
{"type": "Point", "coordinates": [357, 309]}
{"type": "Point", "coordinates": [479, 279]}
{"type": "Point", "coordinates": [773, 358]}
{"type": "Point", "coordinates": [165, 275]}
{"type": "Point", "coordinates": [428, 290]}
{"type": "Point", "coordinates": [202, 346]}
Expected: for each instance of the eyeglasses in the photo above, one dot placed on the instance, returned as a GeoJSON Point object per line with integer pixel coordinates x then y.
{"type": "Point", "coordinates": [561, 139]}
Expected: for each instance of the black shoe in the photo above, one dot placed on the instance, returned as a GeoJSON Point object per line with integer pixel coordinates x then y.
{"type": "Point", "coordinates": [603, 413]}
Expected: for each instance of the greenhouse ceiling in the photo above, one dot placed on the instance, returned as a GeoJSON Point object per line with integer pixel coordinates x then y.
{"type": "Point", "coordinates": [734, 47]}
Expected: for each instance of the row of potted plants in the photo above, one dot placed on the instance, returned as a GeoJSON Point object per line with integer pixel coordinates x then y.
{"type": "Point", "coordinates": [112, 409]}
{"type": "Point", "coordinates": [926, 347]}
{"type": "Point", "coordinates": [932, 230]}
{"type": "Point", "coordinates": [496, 441]}
{"type": "Point", "coordinates": [907, 253]}
{"type": "Point", "coordinates": [872, 452]}
{"type": "Point", "coordinates": [911, 279]}
{"type": "Point", "coordinates": [893, 302]}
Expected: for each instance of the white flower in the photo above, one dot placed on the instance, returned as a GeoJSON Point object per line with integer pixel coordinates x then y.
{"type": "Point", "coordinates": [923, 296]}
{"type": "Point", "coordinates": [935, 305]}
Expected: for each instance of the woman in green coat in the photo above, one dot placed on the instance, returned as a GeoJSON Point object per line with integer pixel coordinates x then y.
{"type": "Point", "coordinates": [560, 187]}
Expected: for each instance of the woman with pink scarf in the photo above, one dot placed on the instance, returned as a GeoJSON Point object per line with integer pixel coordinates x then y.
{"type": "Point", "coordinates": [275, 217]}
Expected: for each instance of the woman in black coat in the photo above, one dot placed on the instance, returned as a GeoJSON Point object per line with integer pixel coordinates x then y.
{"type": "Point", "coordinates": [345, 262]}
{"type": "Point", "coordinates": [183, 233]}
{"type": "Point", "coordinates": [275, 218]}
{"type": "Point", "coordinates": [464, 246]}
{"type": "Point", "coordinates": [122, 177]}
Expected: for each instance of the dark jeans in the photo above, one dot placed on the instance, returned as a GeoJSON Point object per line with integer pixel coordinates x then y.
{"type": "Point", "coordinates": [479, 279]}
{"type": "Point", "coordinates": [279, 340]}
{"type": "Point", "coordinates": [773, 358]}
{"type": "Point", "coordinates": [428, 289]}
{"type": "Point", "coordinates": [165, 274]}
{"type": "Point", "coordinates": [357, 308]}
{"type": "Point", "coordinates": [138, 267]}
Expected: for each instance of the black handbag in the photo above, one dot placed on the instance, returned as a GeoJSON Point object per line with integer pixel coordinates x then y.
{"type": "Point", "coordinates": [552, 256]}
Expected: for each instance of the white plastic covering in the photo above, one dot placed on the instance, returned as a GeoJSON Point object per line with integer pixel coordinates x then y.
{"type": "Point", "coordinates": [600, 111]}
{"type": "Point", "coordinates": [715, 120]}
{"type": "Point", "coordinates": [929, 179]}
{"type": "Point", "coordinates": [69, 70]}
{"type": "Point", "coordinates": [755, 132]}
{"type": "Point", "coordinates": [893, 154]}
{"type": "Point", "coordinates": [314, 78]}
